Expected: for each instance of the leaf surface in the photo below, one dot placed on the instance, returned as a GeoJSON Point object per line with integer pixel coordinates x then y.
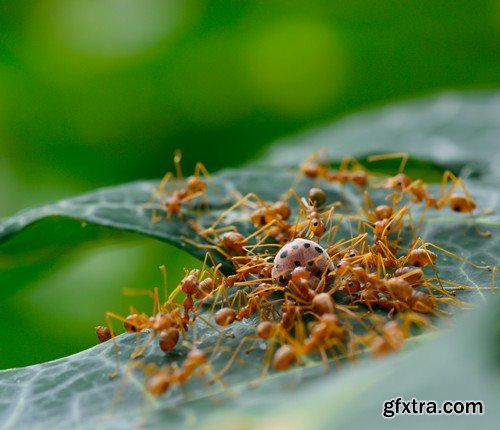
{"type": "Point", "coordinates": [74, 392]}
{"type": "Point", "coordinates": [455, 130]}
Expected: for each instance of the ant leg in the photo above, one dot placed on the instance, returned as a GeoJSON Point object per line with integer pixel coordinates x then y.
{"type": "Point", "coordinates": [261, 229]}
{"type": "Point", "coordinates": [240, 202]}
{"type": "Point", "coordinates": [151, 294]}
{"type": "Point", "coordinates": [207, 246]}
{"type": "Point", "coordinates": [368, 205]}
{"type": "Point", "coordinates": [213, 373]}
{"type": "Point", "coordinates": [169, 178]}
{"type": "Point", "coordinates": [155, 218]}
{"type": "Point", "coordinates": [109, 323]}
{"type": "Point", "coordinates": [483, 233]}
{"type": "Point", "coordinates": [217, 292]}
{"type": "Point", "coordinates": [404, 159]}
{"type": "Point", "coordinates": [172, 296]}
{"type": "Point", "coordinates": [301, 201]}
{"type": "Point", "coordinates": [332, 232]}
{"type": "Point", "coordinates": [349, 161]}
{"type": "Point", "coordinates": [177, 162]}
{"type": "Point", "coordinates": [493, 276]}
{"type": "Point", "coordinates": [138, 352]}
{"type": "Point", "coordinates": [456, 256]}
{"type": "Point", "coordinates": [163, 270]}
{"type": "Point", "coordinates": [233, 357]}
{"type": "Point", "coordinates": [268, 358]}
{"type": "Point", "coordinates": [409, 318]}
{"type": "Point", "coordinates": [396, 216]}
{"type": "Point", "coordinates": [203, 269]}
{"type": "Point", "coordinates": [388, 253]}
{"type": "Point", "coordinates": [443, 194]}
{"type": "Point", "coordinates": [329, 216]}
{"type": "Point", "coordinates": [200, 169]}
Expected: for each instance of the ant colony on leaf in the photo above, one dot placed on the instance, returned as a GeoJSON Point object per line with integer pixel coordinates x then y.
{"type": "Point", "coordinates": [309, 280]}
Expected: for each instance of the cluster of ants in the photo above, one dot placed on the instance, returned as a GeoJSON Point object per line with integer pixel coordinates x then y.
{"type": "Point", "coordinates": [308, 294]}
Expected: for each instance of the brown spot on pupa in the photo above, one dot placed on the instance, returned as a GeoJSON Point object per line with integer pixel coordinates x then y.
{"type": "Point", "coordinates": [284, 254]}
{"type": "Point", "coordinates": [318, 249]}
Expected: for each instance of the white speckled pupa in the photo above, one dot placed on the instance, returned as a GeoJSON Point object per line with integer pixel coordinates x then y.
{"type": "Point", "coordinates": [299, 252]}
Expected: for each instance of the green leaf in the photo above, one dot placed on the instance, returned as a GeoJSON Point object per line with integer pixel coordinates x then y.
{"type": "Point", "coordinates": [36, 238]}
{"type": "Point", "coordinates": [461, 364]}
{"type": "Point", "coordinates": [452, 129]}
{"type": "Point", "coordinates": [75, 391]}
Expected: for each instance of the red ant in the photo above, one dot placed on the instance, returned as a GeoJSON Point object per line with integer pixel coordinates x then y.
{"type": "Point", "coordinates": [461, 203]}
{"type": "Point", "coordinates": [314, 224]}
{"type": "Point", "coordinates": [350, 170]}
{"type": "Point", "coordinates": [192, 188]}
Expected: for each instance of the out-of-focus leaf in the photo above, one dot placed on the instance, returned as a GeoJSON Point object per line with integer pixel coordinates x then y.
{"type": "Point", "coordinates": [452, 129]}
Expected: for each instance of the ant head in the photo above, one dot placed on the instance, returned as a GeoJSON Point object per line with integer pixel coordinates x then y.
{"type": "Point", "coordinates": [283, 279]}
{"type": "Point", "coordinates": [317, 227]}
{"type": "Point", "coordinates": [259, 217]}
{"type": "Point", "coordinates": [189, 284]}
{"type": "Point", "coordinates": [266, 272]}
{"type": "Point", "coordinates": [379, 227]}
{"type": "Point", "coordinates": [343, 267]}
{"type": "Point", "coordinates": [352, 285]}
{"type": "Point", "coordinates": [353, 253]}
{"type": "Point", "coordinates": [400, 181]}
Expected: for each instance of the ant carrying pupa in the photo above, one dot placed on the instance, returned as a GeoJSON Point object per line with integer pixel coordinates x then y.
{"type": "Point", "coordinates": [313, 286]}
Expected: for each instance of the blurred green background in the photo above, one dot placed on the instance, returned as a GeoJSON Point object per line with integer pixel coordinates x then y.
{"type": "Point", "coordinates": [100, 92]}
